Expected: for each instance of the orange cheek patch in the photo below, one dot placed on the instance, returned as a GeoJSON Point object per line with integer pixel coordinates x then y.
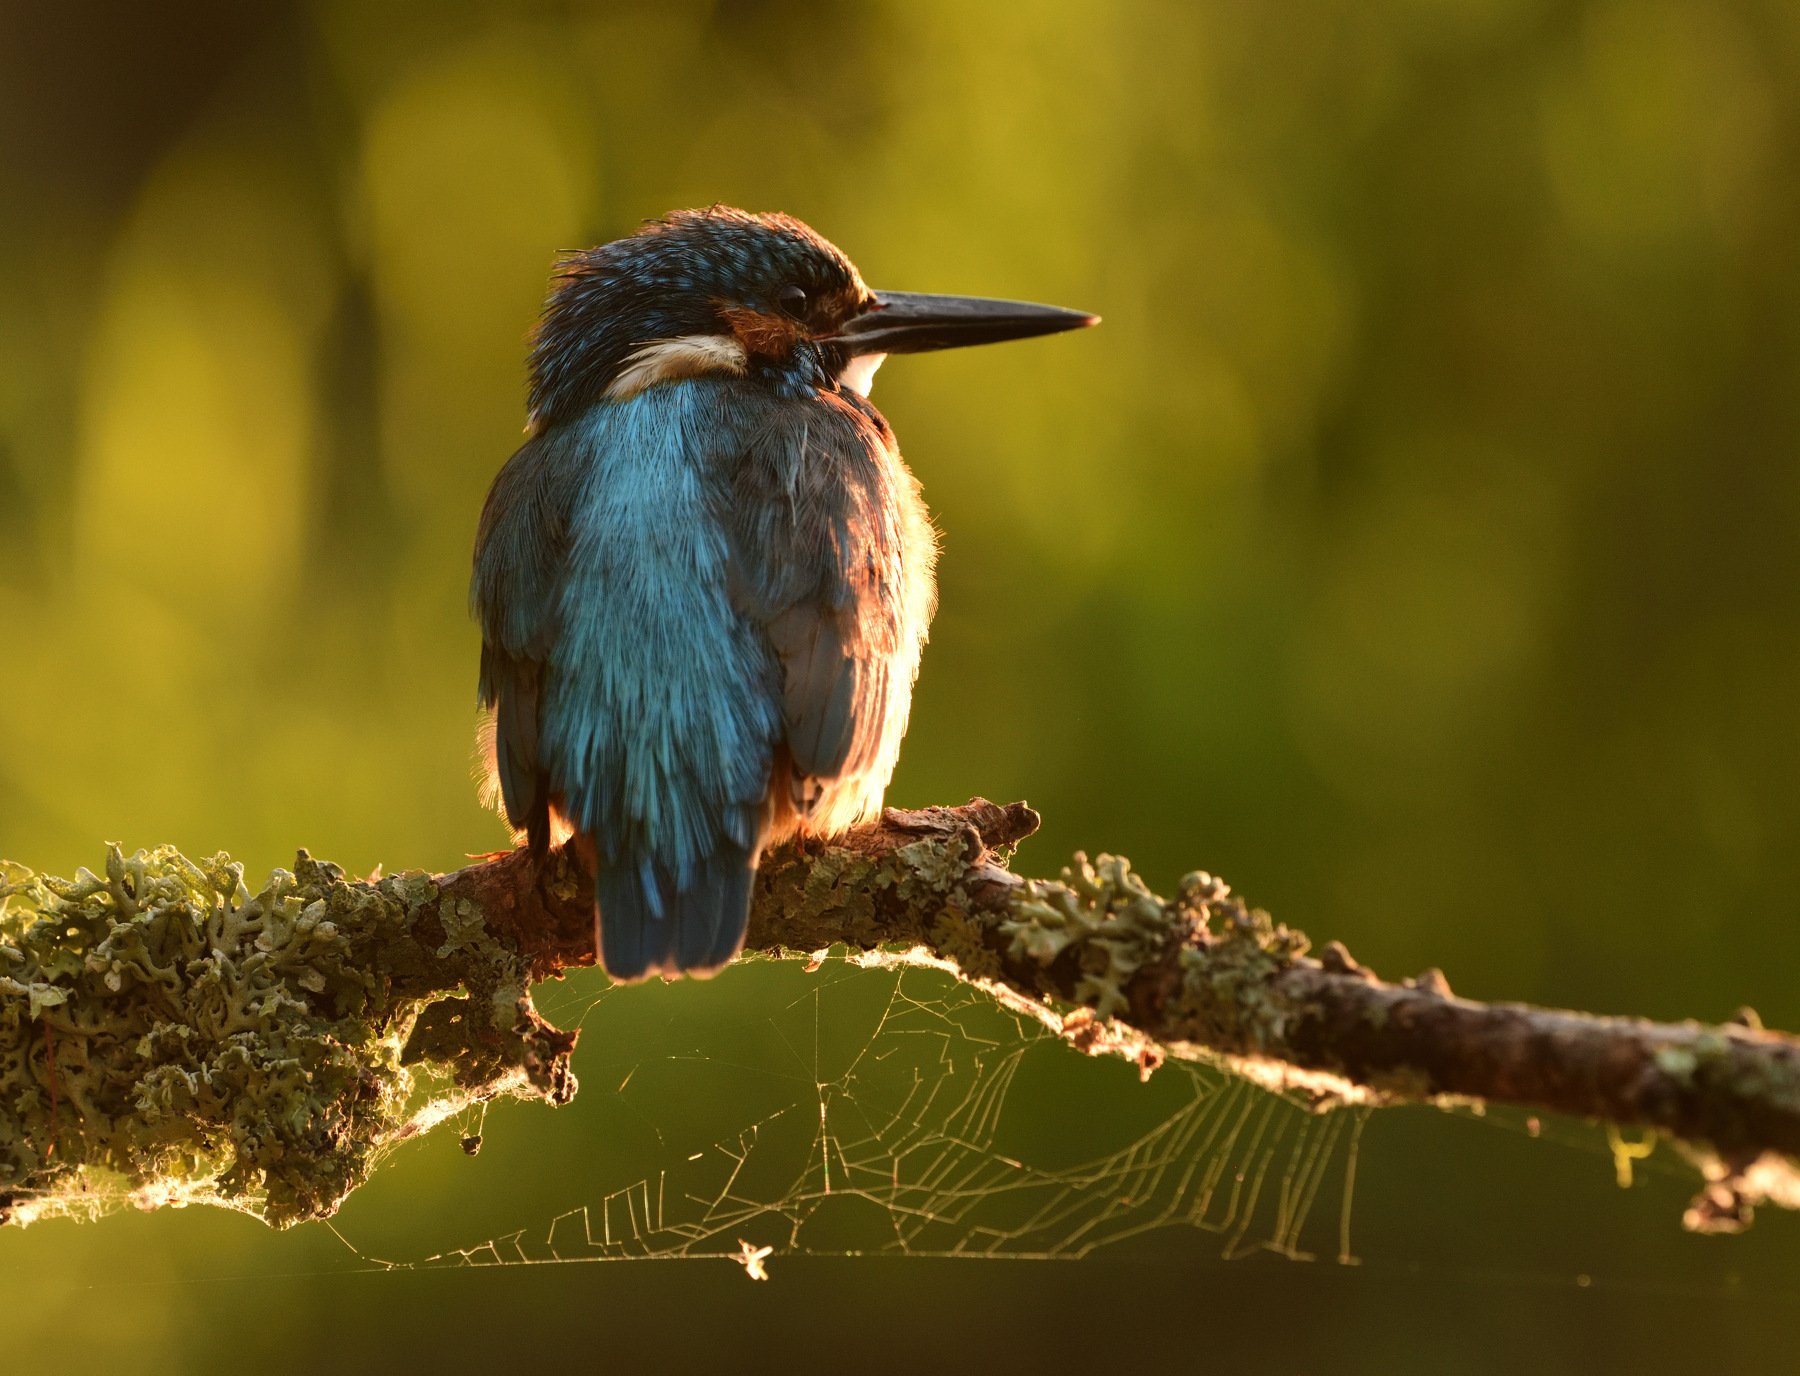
{"type": "Point", "coordinates": [770, 336]}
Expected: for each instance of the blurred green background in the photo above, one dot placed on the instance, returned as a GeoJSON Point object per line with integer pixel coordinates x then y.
{"type": "Point", "coordinates": [1417, 545]}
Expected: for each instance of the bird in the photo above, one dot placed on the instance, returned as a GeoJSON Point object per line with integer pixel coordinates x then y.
{"type": "Point", "coordinates": [704, 581]}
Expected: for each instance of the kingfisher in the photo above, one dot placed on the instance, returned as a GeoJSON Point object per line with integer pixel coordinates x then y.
{"type": "Point", "coordinates": [704, 581]}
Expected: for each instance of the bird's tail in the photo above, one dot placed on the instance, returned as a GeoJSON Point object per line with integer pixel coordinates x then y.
{"type": "Point", "coordinates": [649, 924]}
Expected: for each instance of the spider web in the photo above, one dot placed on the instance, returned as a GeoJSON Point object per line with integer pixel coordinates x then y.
{"type": "Point", "coordinates": [838, 1109]}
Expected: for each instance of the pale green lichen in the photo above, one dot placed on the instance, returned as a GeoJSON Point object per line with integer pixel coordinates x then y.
{"type": "Point", "coordinates": [180, 1034]}
{"type": "Point", "coordinates": [1100, 930]}
{"type": "Point", "coordinates": [463, 925]}
{"type": "Point", "coordinates": [167, 1035]}
{"type": "Point", "coordinates": [808, 901]}
{"type": "Point", "coordinates": [960, 939]}
{"type": "Point", "coordinates": [928, 867]}
{"type": "Point", "coordinates": [1100, 914]}
{"type": "Point", "coordinates": [1228, 994]}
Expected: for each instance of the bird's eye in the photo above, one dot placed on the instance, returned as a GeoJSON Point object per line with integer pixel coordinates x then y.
{"type": "Point", "coordinates": [792, 302]}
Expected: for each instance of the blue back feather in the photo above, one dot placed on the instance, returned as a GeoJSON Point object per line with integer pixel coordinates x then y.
{"type": "Point", "coordinates": [661, 717]}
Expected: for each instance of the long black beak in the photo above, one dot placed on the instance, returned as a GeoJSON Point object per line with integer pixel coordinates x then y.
{"type": "Point", "coordinates": [910, 322]}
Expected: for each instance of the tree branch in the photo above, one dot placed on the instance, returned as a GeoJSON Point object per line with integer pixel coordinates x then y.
{"type": "Point", "coordinates": [164, 1029]}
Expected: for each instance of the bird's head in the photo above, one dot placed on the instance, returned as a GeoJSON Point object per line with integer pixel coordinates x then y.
{"type": "Point", "coordinates": [760, 296]}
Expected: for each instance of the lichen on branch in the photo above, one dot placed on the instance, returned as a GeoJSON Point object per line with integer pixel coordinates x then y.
{"type": "Point", "coordinates": [168, 1035]}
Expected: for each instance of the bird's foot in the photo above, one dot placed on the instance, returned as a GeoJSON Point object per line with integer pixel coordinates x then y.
{"type": "Point", "coordinates": [488, 857]}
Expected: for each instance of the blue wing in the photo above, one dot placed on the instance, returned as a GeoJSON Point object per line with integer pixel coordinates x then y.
{"type": "Point", "coordinates": [520, 551]}
{"type": "Point", "coordinates": [821, 568]}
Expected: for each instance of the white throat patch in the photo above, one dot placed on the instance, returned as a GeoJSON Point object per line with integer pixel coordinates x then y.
{"type": "Point", "coordinates": [693, 355]}
{"type": "Point", "coordinates": [686, 355]}
{"type": "Point", "coordinates": [859, 373]}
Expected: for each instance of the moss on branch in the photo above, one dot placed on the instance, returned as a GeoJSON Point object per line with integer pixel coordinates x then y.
{"type": "Point", "coordinates": [168, 1035]}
